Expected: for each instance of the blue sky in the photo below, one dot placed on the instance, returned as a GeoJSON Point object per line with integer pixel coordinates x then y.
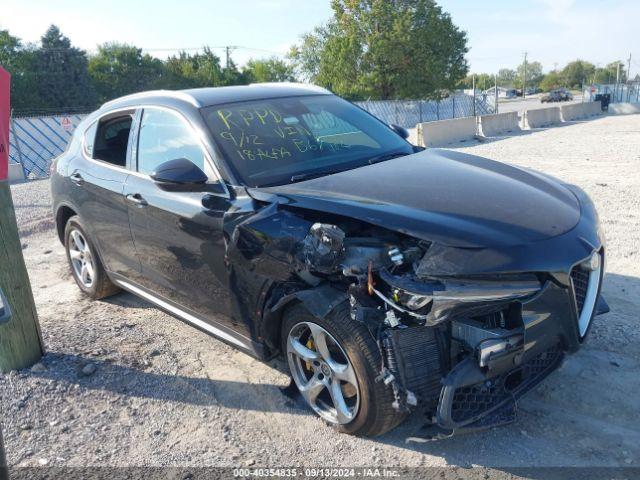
{"type": "Point", "coordinates": [552, 31]}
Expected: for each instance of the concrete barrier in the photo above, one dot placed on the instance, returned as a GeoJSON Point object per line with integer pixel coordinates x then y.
{"type": "Point", "coordinates": [624, 108]}
{"type": "Point", "coordinates": [499, 123]}
{"type": "Point", "coordinates": [16, 173]}
{"type": "Point", "coordinates": [541, 117]}
{"type": "Point", "coordinates": [574, 111]}
{"type": "Point", "coordinates": [578, 111]}
{"type": "Point", "coordinates": [593, 108]}
{"type": "Point", "coordinates": [445, 132]}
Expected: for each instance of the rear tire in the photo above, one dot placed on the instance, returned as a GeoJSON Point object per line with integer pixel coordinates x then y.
{"type": "Point", "coordinates": [86, 267]}
{"type": "Point", "coordinates": [375, 414]}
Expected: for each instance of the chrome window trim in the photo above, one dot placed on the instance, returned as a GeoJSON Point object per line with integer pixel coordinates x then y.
{"type": "Point", "coordinates": [133, 171]}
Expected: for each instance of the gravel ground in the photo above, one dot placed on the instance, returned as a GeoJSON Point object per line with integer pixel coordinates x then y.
{"type": "Point", "coordinates": [124, 384]}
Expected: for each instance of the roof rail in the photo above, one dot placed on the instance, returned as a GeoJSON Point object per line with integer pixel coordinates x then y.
{"type": "Point", "coordinates": [309, 86]}
{"type": "Point", "coordinates": [180, 95]}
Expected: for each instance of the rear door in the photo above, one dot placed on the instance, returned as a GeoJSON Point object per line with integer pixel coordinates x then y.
{"type": "Point", "coordinates": [180, 244]}
{"type": "Point", "coordinates": [97, 179]}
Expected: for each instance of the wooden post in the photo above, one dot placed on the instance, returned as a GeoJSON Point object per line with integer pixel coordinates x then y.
{"type": "Point", "coordinates": [4, 473]}
{"type": "Point", "coordinates": [20, 339]}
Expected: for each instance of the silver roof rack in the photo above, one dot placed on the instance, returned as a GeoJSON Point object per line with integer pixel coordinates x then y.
{"type": "Point", "coordinates": [156, 93]}
{"type": "Point", "coordinates": [308, 86]}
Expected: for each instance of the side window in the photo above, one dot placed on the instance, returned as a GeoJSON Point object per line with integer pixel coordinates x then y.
{"type": "Point", "coordinates": [90, 138]}
{"type": "Point", "coordinates": [112, 138]}
{"type": "Point", "coordinates": [165, 136]}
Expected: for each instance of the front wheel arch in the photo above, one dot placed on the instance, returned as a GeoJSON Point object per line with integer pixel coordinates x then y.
{"type": "Point", "coordinates": [319, 301]}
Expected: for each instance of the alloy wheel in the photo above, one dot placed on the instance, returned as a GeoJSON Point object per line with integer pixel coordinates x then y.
{"type": "Point", "coordinates": [81, 258]}
{"type": "Point", "coordinates": [323, 373]}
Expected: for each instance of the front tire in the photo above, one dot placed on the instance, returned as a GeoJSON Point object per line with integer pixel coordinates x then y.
{"type": "Point", "coordinates": [86, 267]}
{"type": "Point", "coordinates": [334, 362]}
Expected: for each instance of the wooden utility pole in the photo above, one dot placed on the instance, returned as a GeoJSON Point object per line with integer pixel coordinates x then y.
{"type": "Point", "coordinates": [474, 94]}
{"type": "Point", "coordinates": [524, 77]}
{"type": "Point", "coordinates": [3, 460]}
{"type": "Point", "coordinates": [20, 339]}
{"type": "Point", "coordinates": [495, 91]}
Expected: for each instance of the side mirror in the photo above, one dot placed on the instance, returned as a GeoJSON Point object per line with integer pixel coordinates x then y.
{"type": "Point", "coordinates": [179, 173]}
{"type": "Point", "coordinates": [5, 311]}
{"type": "Point", "coordinates": [403, 132]}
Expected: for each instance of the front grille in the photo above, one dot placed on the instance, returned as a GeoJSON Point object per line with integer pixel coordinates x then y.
{"type": "Point", "coordinates": [474, 400]}
{"type": "Point", "coordinates": [580, 278]}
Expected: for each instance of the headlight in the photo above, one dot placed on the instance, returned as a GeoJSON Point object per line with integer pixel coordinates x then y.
{"type": "Point", "coordinates": [410, 300]}
{"type": "Point", "coordinates": [411, 295]}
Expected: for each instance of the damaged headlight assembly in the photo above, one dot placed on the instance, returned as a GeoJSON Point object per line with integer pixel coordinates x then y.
{"type": "Point", "coordinates": [444, 296]}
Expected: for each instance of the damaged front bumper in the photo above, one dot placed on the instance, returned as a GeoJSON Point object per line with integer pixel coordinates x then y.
{"type": "Point", "coordinates": [480, 393]}
{"type": "Point", "coordinates": [482, 386]}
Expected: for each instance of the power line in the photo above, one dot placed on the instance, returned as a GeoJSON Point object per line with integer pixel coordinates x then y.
{"type": "Point", "coordinates": [167, 49]}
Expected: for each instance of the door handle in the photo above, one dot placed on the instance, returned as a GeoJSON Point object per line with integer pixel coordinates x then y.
{"type": "Point", "coordinates": [136, 199]}
{"type": "Point", "coordinates": [76, 178]}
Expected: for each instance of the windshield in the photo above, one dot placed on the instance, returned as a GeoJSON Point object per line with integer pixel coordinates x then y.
{"type": "Point", "coordinates": [282, 140]}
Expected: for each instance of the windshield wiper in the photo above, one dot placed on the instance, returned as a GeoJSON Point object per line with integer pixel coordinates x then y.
{"type": "Point", "coordinates": [387, 156]}
{"type": "Point", "coordinates": [306, 176]}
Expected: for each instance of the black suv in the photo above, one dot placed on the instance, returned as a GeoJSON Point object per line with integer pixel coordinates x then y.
{"type": "Point", "coordinates": [300, 229]}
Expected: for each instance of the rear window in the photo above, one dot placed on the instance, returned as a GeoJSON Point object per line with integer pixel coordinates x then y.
{"type": "Point", "coordinates": [110, 139]}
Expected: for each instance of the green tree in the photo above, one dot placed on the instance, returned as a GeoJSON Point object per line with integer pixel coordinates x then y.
{"type": "Point", "coordinates": [9, 49]}
{"type": "Point", "coordinates": [307, 56]}
{"type": "Point", "coordinates": [231, 75]}
{"type": "Point", "coordinates": [534, 74]}
{"type": "Point", "coordinates": [18, 60]}
{"type": "Point", "coordinates": [551, 81]}
{"type": "Point", "coordinates": [506, 77]}
{"type": "Point", "coordinates": [191, 71]}
{"type": "Point", "coordinates": [609, 73]}
{"type": "Point", "coordinates": [63, 80]}
{"type": "Point", "coordinates": [119, 69]}
{"type": "Point", "coordinates": [384, 49]}
{"type": "Point", "coordinates": [269, 70]}
{"type": "Point", "coordinates": [483, 81]}
{"type": "Point", "coordinates": [577, 72]}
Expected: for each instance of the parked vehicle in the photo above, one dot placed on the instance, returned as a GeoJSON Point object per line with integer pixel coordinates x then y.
{"type": "Point", "coordinates": [552, 96]}
{"type": "Point", "coordinates": [565, 94]}
{"type": "Point", "coordinates": [300, 229]}
{"type": "Point", "coordinates": [511, 93]}
{"type": "Point", "coordinates": [559, 95]}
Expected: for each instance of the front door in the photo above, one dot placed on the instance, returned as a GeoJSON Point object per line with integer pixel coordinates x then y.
{"type": "Point", "coordinates": [180, 244]}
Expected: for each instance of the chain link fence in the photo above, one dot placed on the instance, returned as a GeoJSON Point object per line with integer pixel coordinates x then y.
{"type": "Point", "coordinates": [36, 138]}
{"type": "Point", "coordinates": [408, 113]}
{"type": "Point", "coordinates": [620, 92]}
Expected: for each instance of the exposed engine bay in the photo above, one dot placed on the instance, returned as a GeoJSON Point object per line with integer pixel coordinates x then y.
{"type": "Point", "coordinates": [461, 348]}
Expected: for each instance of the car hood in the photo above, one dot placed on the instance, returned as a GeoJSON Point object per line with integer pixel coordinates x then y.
{"type": "Point", "coordinates": [443, 196]}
